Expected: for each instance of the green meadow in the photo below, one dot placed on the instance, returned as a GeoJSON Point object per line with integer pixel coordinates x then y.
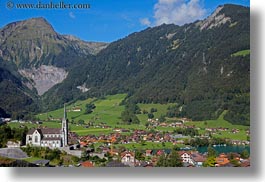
{"type": "Point", "coordinates": [32, 159]}
{"type": "Point", "coordinates": [161, 110]}
{"type": "Point", "coordinates": [108, 110]}
{"type": "Point", "coordinates": [58, 114]}
{"type": "Point", "coordinates": [221, 122]}
{"type": "Point", "coordinates": [149, 145]}
{"type": "Point", "coordinates": [50, 124]}
{"type": "Point", "coordinates": [242, 53]}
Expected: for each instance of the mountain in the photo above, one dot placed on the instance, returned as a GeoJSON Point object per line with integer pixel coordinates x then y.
{"type": "Point", "coordinates": [199, 65]}
{"type": "Point", "coordinates": [34, 58]}
{"type": "Point", "coordinates": [203, 66]}
{"type": "Point", "coordinates": [16, 99]}
{"type": "Point", "coordinates": [88, 47]}
{"type": "Point", "coordinates": [34, 42]}
{"type": "Point", "coordinates": [42, 55]}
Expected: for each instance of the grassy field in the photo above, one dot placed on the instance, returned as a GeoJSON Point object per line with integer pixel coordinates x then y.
{"type": "Point", "coordinates": [241, 135]}
{"type": "Point", "coordinates": [148, 145]}
{"type": "Point", "coordinates": [17, 125]}
{"type": "Point", "coordinates": [93, 131]}
{"type": "Point", "coordinates": [108, 110]}
{"type": "Point", "coordinates": [32, 159]}
{"type": "Point", "coordinates": [50, 124]}
{"type": "Point", "coordinates": [58, 114]}
{"type": "Point", "coordinates": [220, 122]}
{"type": "Point", "coordinates": [80, 130]}
{"type": "Point", "coordinates": [161, 110]}
{"type": "Point", "coordinates": [242, 53]}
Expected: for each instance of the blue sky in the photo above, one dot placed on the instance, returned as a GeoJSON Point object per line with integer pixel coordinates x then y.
{"type": "Point", "coordinates": [110, 20]}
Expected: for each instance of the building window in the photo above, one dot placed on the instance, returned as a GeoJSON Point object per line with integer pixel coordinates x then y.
{"type": "Point", "coordinates": [36, 139]}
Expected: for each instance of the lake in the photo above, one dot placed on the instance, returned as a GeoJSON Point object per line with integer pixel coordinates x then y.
{"type": "Point", "coordinates": [225, 149]}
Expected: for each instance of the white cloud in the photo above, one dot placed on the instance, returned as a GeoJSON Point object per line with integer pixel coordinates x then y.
{"type": "Point", "coordinates": [178, 11]}
{"type": "Point", "coordinates": [72, 15]}
{"type": "Point", "coordinates": [145, 21]}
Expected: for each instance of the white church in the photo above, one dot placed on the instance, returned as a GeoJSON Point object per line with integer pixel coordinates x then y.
{"type": "Point", "coordinates": [49, 137]}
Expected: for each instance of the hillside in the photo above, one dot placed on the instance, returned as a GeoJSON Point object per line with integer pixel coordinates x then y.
{"type": "Point", "coordinates": [34, 42]}
{"type": "Point", "coordinates": [39, 52]}
{"type": "Point", "coordinates": [198, 65]}
{"type": "Point", "coordinates": [34, 58]}
{"type": "Point", "coordinates": [203, 66]}
{"type": "Point", "coordinates": [16, 99]}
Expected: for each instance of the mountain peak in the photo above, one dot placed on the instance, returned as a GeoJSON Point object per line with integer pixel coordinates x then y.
{"type": "Point", "coordinates": [34, 27]}
{"type": "Point", "coordinates": [39, 23]}
{"type": "Point", "coordinates": [37, 20]}
{"type": "Point", "coordinates": [216, 19]}
{"type": "Point", "coordinates": [227, 13]}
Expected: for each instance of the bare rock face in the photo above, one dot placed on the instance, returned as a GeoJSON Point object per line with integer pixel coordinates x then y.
{"type": "Point", "coordinates": [214, 20]}
{"type": "Point", "coordinates": [83, 88]}
{"type": "Point", "coordinates": [44, 77]}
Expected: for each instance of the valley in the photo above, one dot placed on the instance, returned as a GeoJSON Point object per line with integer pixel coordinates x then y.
{"type": "Point", "coordinates": [102, 129]}
{"type": "Point", "coordinates": [150, 98]}
{"type": "Point", "coordinates": [106, 119]}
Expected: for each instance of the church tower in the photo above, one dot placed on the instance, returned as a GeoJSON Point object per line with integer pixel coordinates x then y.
{"type": "Point", "coordinates": [64, 129]}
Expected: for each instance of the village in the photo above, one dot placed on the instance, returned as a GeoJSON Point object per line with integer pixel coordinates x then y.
{"type": "Point", "coordinates": [140, 148]}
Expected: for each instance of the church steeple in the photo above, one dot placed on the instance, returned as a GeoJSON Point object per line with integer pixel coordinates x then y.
{"type": "Point", "coordinates": [64, 114]}
{"type": "Point", "coordinates": [64, 128]}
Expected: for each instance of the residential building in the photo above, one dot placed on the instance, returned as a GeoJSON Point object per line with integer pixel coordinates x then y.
{"type": "Point", "coordinates": [13, 144]}
{"type": "Point", "coordinates": [222, 160]}
{"type": "Point", "coordinates": [186, 157]}
{"type": "Point", "coordinates": [128, 158]}
{"type": "Point", "coordinates": [87, 164]}
{"type": "Point", "coordinates": [198, 159]}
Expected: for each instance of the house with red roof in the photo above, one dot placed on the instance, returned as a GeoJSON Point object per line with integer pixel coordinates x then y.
{"type": "Point", "coordinates": [128, 158]}
{"type": "Point", "coordinates": [87, 164]}
{"type": "Point", "coordinates": [222, 160]}
{"type": "Point", "coordinates": [148, 153]}
{"type": "Point", "coordinates": [198, 159]}
{"type": "Point", "coordinates": [186, 157]}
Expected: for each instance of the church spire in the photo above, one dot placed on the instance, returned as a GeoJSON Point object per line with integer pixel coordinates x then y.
{"type": "Point", "coordinates": [64, 114]}
{"type": "Point", "coordinates": [64, 128]}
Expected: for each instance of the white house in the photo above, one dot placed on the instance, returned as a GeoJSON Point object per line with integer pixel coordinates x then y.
{"type": "Point", "coordinates": [127, 158]}
{"type": "Point", "coordinates": [193, 158]}
{"type": "Point", "coordinates": [186, 157]}
{"type": "Point", "coordinates": [13, 144]}
{"type": "Point", "coordinates": [77, 109]}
